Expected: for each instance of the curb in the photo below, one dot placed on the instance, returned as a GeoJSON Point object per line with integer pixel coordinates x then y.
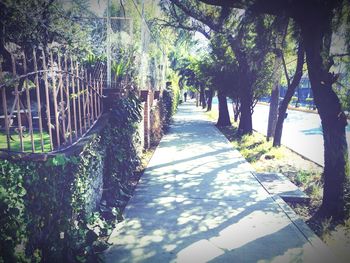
{"type": "Point", "coordinates": [304, 229]}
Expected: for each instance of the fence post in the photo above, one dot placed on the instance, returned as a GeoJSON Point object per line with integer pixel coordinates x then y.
{"type": "Point", "coordinates": [4, 104]}
{"type": "Point", "coordinates": [47, 99]}
{"type": "Point", "coordinates": [91, 99]}
{"type": "Point", "coordinates": [53, 79]}
{"type": "Point", "coordinates": [38, 99]}
{"type": "Point", "coordinates": [29, 116]}
{"type": "Point", "coordinates": [83, 89]}
{"type": "Point", "coordinates": [18, 108]}
{"type": "Point", "coordinates": [74, 98]}
{"type": "Point", "coordinates": [87, 101]}
{"type": "Point", "coordinates": [95, 99]}
{"type": "Point", "coordinates": [79, 102]}
{"type": "Point", "coordinates": [62, 102]}
{"type": "Point", "coordinates": [68, 100]}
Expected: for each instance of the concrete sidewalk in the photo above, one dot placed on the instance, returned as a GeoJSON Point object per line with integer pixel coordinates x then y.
{"type": "Point", "coordinates": [199, 201]}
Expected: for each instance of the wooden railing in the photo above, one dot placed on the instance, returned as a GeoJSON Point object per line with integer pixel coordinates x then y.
{"type": "Point", "coordinates": [49, 101]}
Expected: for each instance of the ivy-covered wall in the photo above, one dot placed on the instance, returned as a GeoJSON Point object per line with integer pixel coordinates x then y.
{"type": "Point", "coordinates": [161, 113]}
{"type": "Point", "coordinates": [169, 101]}
{"type": "Point", "coordinates": [54, 210]}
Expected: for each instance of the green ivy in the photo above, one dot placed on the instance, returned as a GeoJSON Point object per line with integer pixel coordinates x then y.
{"type": "Point", "coordinates": [123, 154]}
{"type": "Point", "coordinates": [12, 209]}
{"type": "Point", "coordinates": [169, 102]}
{"type": "Point", "coordinates": [46, 208]}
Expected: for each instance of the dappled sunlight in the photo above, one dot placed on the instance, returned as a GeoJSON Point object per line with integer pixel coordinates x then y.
{"type": "Point", "coordinates": [217, 228]}
{"type": "Point", "coordinates": [255, 225]}
{"type": "Point", "coordinates": [200, 251]}
{"type": "Point", "coordinates": [199, 201]}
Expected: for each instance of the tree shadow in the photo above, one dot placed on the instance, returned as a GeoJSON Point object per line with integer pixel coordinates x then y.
{"type": "Point", "coordinates": [202, 204]}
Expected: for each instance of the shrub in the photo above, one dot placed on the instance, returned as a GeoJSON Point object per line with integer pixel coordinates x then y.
{"type": "Point", "coordinates": [12, 210]}
{"type": "Point", "coordinates": [50, 209]}
{"type": "Point", "coordinates": [169, 102]}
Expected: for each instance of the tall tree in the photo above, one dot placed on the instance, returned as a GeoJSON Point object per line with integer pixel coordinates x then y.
{"type": "Point", "coordinates": [244, 45]}
{"type": "Point", "coordinates": [202, 75]}
{"type": "Point", "coordinates": [251, 47]}
{"type": "Point", "coordinates": [291, 86]}
{"type": "Point", "coordinates": [280, 35]}
{"type": "Point", "coordinates": [315, 20]}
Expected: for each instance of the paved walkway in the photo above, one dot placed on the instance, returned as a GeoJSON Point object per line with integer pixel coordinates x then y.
{"type": "Point", "coordinates": [199, 201]}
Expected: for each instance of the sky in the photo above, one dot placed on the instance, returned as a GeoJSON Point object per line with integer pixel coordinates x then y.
{"type": "Point", "coordinates": [203, 43]}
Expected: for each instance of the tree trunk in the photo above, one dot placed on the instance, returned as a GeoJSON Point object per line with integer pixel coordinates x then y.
{"type": "Point", "coordinates": [202, 98]}
{"type": "Point", "coordinates": [236, 109]}
{"type": "Point", "coordinates": [336, 167]}
{"type": "Point", "coordinates": [210, 100]}
{"type": "Point", "coordinates": [224, 116]}
{"type": "Point", "coordinates": [245, 121]}
{"type": "Point", "coordinates": [281, 31]}
{"type": "Point", "coordinates": [273, 111]}
{"type": "Point", "coordinates": [289, 94]}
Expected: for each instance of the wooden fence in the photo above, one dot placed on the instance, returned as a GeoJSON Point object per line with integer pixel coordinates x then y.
{"type": "Point", "coordinates": [49, 101]}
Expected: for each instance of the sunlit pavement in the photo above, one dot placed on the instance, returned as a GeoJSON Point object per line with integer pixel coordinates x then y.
{"type": "Point", "coordinates": [199, 201]}
{"type": "Point", "coordinates": [302, 132]}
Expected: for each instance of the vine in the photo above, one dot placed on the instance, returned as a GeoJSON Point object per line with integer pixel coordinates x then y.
{"type": "Point", "coordinates": [60, 210]}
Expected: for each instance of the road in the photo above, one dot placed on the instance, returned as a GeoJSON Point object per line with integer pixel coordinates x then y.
{"type": "Point", "coordinates": [302, 131]}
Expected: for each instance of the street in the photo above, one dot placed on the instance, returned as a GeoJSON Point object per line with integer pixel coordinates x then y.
{"type": "Point", "coordinates": [302, 131]}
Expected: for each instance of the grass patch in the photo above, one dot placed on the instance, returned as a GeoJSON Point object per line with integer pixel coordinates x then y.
{"type": "Point", "coordinates": [266, 158]}
{"type": "Point", "coordinates": [253, 147]}
{"type": "Point", "coordinates": [302, 172]}
{"type": "Point", "coordinates": [15, 142]}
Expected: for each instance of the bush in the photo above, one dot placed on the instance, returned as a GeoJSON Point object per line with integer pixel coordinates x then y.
{"type": "Point", "coordinates": [50, 210]}
{"type": "Point", "coordinates": [310, 102]}
{"type": "Point", "coordinates": [169, 102]}
{"type": "Point", "coordinates": [294, 99]}
{"type": "Point", "coordinates": [12, 210]}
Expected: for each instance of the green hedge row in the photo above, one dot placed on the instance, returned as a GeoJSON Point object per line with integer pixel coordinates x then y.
{"type": "Point", "coordinates": [169, 102]}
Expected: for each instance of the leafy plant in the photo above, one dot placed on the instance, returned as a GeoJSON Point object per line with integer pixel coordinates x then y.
{"type": "Point", "coordinates": [12, 210]}
{"type": "Point", "coordinates": [302, 177]}
{"type": "Point", "coordinates": [310, 102]}
{"type": "Point", "coordinates": [294, 100]}
{"type": "Point", "coordinates": [48, 210]}
{"type": "Point", "coordinates": [120, 69]}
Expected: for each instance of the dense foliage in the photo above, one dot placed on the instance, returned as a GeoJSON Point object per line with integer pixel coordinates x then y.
{"type": "Point", "coordinates": [170, 101]}
{"type": "Point", "coordinates": [122, 155]}
{"type": "Point", "coordinates": [57, 210]}
{"type": "Point", "coordinates": [255, 32]}
{"type": "Point", "coordinates": [49, 210]}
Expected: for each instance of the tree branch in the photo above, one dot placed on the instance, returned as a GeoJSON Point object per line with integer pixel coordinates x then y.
{"type": "Point", "coordinates": [285, 70]}
{"type": "Point", "coordinates": [196, 14]}
{"type": "Point", "coordinates": [300, 62]}
{"type": "Point", "coordinates": [178, 24]}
